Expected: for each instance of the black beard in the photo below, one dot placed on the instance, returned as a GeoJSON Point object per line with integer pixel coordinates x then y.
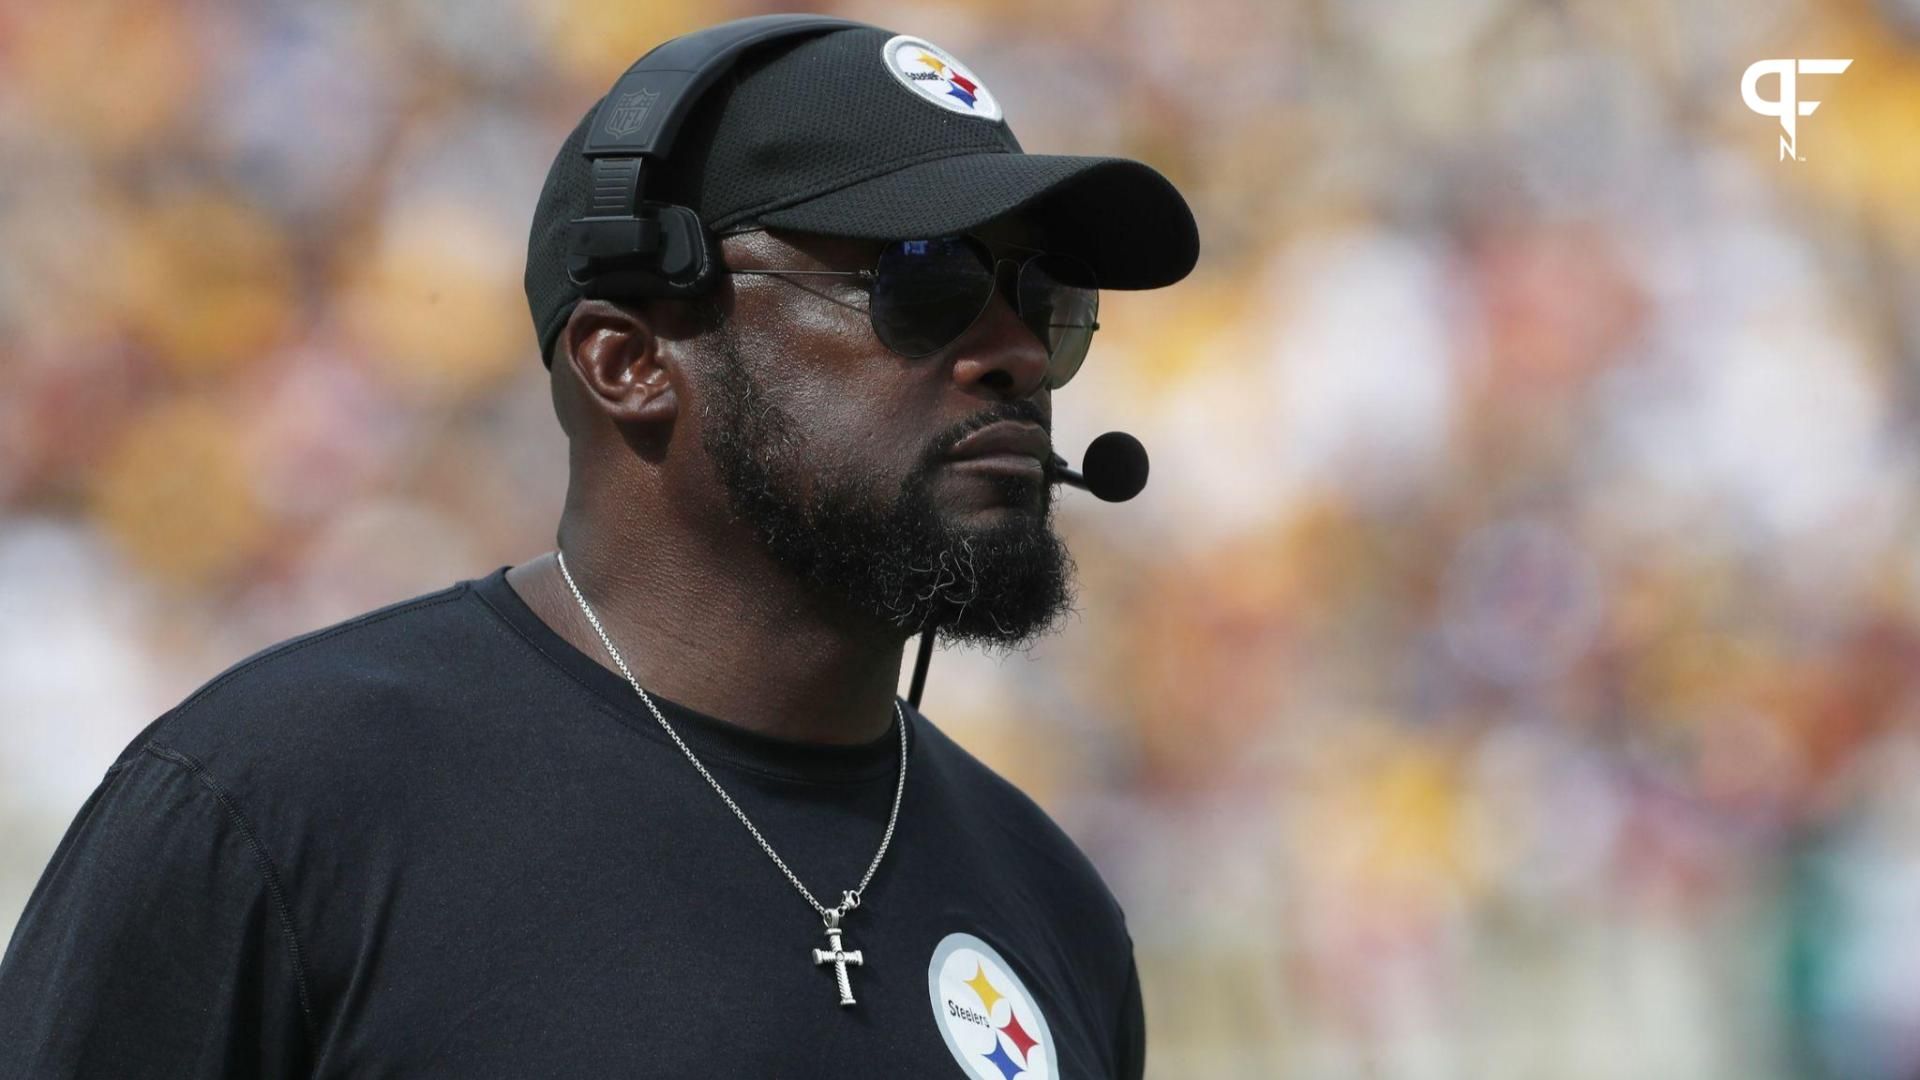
{"type": "Point", "coordinates": [901, 562]}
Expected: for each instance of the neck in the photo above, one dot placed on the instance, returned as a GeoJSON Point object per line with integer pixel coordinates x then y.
{"type": "Point", "coordinates": [720, 629]}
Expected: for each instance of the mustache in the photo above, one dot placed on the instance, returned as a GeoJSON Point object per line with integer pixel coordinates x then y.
{"type": "Point", "coordinates": [1025, 411]}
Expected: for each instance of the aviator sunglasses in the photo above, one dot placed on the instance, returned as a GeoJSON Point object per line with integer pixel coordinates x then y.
{"type": "Point", "coordinates": [924, 294]}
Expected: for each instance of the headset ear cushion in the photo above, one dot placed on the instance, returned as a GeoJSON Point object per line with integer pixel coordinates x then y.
{"type": "Point", "coordinates": [682, 260]}
{"type": "Point", "coordinates": [687, 257]}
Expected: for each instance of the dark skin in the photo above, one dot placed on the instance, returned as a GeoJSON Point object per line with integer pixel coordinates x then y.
{"type": "Point", "coordinates": [691, 598]}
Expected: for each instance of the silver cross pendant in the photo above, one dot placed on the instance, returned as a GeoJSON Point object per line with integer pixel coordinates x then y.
{"type": "Point", "coordinates": [838, 957]}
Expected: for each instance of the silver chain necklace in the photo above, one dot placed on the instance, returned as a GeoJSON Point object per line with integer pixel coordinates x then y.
{"type": "Point", "coordinates": [850, 899]}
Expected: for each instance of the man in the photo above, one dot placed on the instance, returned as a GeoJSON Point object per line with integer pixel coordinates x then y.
{"type": "Point", "coordinates": [648, 805]}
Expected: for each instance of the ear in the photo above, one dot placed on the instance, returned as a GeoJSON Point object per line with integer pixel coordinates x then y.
{"type": "Point", "coordinates": [626, 369]}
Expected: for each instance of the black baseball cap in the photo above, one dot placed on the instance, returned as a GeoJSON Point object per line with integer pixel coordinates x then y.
{"type": "Point", "coordinates": [868, 134]}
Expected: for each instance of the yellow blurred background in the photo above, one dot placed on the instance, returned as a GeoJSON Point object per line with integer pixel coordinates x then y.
{"type": "Point", "coordinates": [1512, 670]}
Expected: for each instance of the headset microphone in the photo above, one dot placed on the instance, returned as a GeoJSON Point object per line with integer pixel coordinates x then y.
{"type": "Point", "coordinates": [1114, 470]}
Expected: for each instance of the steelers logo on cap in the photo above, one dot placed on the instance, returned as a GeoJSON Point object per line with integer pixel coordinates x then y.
{"type": "Point", "coordinates": [933, 73]}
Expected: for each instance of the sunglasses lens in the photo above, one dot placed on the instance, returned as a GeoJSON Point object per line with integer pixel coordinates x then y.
{"type": "Point", "coordinates": [1058, 301]}
{"type": "Point", "coordinates": [927, 292]}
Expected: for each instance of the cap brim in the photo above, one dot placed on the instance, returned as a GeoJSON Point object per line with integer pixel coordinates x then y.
{"type": "Point", "coordinates": [1121, 217]}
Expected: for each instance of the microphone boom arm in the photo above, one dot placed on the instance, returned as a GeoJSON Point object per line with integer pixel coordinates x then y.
{"type": "Point", "coordinates": [1064, 473]}
{"type": "Point", "coordinates": [1060, 473]}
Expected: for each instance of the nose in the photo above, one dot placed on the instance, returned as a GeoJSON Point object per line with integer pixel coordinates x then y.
{"type": "Point", "coordinates": [999, 354]}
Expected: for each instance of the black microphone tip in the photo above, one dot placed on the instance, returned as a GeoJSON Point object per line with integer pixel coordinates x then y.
{"type": "Point", "coordinates": [1115, 467]}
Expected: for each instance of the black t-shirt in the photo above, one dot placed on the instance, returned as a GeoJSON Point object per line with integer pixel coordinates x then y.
{"type": "Point", "coordinates": [437, 840]}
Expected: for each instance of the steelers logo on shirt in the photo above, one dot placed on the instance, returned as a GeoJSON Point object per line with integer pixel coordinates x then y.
{"type": "Point", "coordinates": [991, 1023]}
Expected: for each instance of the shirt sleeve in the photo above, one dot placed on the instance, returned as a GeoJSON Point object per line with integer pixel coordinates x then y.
{"type": "Point", "coordinates": [154, 944]}
{"type": "Point", "coordinates": [1130, 1053]}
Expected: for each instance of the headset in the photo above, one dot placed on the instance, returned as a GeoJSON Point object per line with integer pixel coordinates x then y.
{"type": "Point", "coordinates": [629, 246]}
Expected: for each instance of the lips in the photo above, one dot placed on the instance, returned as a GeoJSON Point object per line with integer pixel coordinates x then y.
{"type": "Point", "coordinates": [1010, 441]}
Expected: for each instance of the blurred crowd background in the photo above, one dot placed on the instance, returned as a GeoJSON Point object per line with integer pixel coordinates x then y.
{"type": "Point", "coordinates": [1513, 669]}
